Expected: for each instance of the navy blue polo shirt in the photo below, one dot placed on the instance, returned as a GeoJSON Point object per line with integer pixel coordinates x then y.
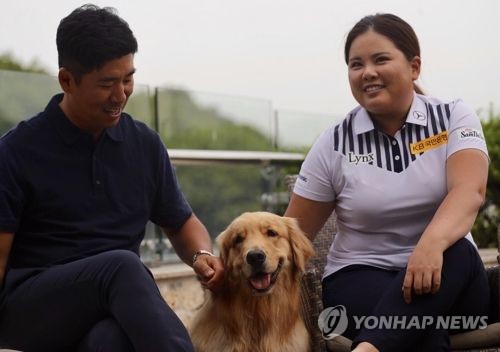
{"type": "Point", "coordinates": [66, 197]}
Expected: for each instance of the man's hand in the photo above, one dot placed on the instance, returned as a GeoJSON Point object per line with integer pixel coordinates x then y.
{"type": "Point", "coordinates": [210, 271]}
{"type": "Point", "coordinates": [192, 238]}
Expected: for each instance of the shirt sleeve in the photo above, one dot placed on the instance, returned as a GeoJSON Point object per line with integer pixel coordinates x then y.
{"type": "Point", "coordinates": [12, 194]}
{"type": "Point", "coordinates": [170, 208]}
{"type": "Point", "coordinates": [465, 130]}
{"type": "Point", "coordinates": [316, 178]}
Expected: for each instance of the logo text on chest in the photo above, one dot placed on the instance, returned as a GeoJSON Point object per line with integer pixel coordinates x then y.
{"type": "Point", "coordinates": [361, 158]}
{"type": "Point", "coordinates": [430, 143]}
{"type": "Point", "coordinates": [468, 132]}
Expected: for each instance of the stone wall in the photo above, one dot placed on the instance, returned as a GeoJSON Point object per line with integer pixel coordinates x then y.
{"type": "Point", "coordinates": [181, 290]}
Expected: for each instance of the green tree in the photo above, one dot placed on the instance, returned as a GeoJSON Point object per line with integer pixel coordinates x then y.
{"type": "Point", "coordinates": [186, 124]}
{"type": "Point", "coordinates": [22, 95]}
{"type": "Point", "coordinates": [485, 227]}
{"type": "Point", "coordinates": [9, 62]}
{"type": "Point", "coordinates": [24, 90]}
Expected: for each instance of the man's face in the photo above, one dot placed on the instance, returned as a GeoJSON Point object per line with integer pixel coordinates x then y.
{"type": "Point", "coordinates": [97, 101]}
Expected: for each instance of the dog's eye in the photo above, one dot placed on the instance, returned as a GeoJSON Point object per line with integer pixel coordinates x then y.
{"type": "Point", "coordinates": [238, 239]}
{"type": "Point", "coordinates": [271, 233]}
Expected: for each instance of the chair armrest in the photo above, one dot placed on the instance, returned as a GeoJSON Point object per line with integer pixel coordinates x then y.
{"type": "Point", "coordinates": [312, 305]}
{"type": "Point", "coordinates": [482, 340]}
{"type": "Point", "coordinates": [493, 274]}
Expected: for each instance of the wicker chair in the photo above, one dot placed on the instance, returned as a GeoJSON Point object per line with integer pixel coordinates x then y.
{"type": "Point", "coordinates": [487, 340]}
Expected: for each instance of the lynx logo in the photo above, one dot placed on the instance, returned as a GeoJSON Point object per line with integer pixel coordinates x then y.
{"type": "Point", "coordinates": [468, 132]}
{"type": "Point", "coordinates": [363, 158]}
{"type": "Point", "coordinates": [332, 322]}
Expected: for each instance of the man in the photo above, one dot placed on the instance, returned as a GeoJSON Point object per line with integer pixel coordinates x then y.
{"type": "Point", "coordinates": [78, 182]}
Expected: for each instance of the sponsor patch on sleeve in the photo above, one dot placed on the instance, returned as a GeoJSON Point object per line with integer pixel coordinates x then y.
{"type": "Point", "coordinates": [430, 143]}
{"type": "Point", "coordinates": [468, 132]}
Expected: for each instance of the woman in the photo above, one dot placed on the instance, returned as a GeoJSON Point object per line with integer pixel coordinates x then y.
{"type": "Point", "coordinates": [406, 175]}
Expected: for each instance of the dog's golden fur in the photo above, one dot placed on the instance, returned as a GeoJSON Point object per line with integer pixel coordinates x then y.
{"type": "Point", "coordinates": [258, 308]}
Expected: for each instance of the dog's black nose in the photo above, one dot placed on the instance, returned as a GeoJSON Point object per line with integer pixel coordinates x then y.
{"type": "Point", "coordinates": [256, 257]}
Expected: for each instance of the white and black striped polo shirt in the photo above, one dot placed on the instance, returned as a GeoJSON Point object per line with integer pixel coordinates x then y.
{"type": "Point", "coordinates": [386, 188]}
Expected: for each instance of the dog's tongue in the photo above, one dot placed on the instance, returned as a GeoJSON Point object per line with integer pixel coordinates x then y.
{"type": "Point", "coordinates": [261, 282]}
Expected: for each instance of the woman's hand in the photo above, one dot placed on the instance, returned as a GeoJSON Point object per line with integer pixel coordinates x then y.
{"type": "Point", "coordinates": [467, 173]}
{"type": "Point", "coordinates": [423, 272]}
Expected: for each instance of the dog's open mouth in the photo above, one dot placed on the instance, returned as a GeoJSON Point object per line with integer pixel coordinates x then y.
{"type": "Point", "coordinates": [263, 282]}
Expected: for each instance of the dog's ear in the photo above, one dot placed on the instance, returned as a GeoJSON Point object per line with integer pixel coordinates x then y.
{"type": "Point", "coordinates": [224, 243]}
{"type": "Point", "coordinates": [301, 246]}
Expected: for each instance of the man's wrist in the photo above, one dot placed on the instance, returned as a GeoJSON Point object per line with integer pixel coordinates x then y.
{"type": "Point", "coordinates": [200, 253]}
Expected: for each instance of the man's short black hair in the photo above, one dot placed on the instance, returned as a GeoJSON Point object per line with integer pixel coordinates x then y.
{"type": "Point", "coordinates": [90, 36]}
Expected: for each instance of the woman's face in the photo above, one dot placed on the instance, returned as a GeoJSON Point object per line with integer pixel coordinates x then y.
{"type": "Point", "coordinates": [381, 77]}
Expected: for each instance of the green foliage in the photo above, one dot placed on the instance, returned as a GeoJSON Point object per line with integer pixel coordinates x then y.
{"type": "Point", "coordinates": [226, 137]}
{"type": "Point", "coordinates": [141, 106]}
{"type": "Point", "coordinates": [9, 62]}
{"type": "Point", "coordinates": [219, 193]}
{"type": "Point", "coordinates": [485, 227]}
{"type": "Point", "coordinates": [186, 124]}
{"type": "Point", "coordinates": [24, 90]}
{"type": "Point", "coordinates": [22, 95]}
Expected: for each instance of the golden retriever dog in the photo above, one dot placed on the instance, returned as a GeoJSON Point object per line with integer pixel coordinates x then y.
{"type": "Point", "coordinates": [258, 307]}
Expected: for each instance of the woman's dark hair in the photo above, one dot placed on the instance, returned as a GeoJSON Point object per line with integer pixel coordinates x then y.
{"type": "Point", "coordinates": [90, 36]}
{"type": "Point", "coordinates": [391, 26]}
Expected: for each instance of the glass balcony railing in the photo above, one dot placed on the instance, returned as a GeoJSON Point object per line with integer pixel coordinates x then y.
{"type": "Point", "coordinates": [213, 121]}
{"type": "Point", "coordinates": [298, 130]}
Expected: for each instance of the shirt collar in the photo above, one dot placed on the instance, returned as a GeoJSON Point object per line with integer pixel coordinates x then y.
{"type": "Point", "coordinates": [68, 131]}
{"type": "Point", "coordinates": [362, 122]}
{"type": "Point", "coordinates": [418, 112]}
{"type": "Point", "coordinates": [417, 115]}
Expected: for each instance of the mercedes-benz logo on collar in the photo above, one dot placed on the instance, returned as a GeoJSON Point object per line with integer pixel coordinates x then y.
{"type": "Point", "coordinates": [419, 115]}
